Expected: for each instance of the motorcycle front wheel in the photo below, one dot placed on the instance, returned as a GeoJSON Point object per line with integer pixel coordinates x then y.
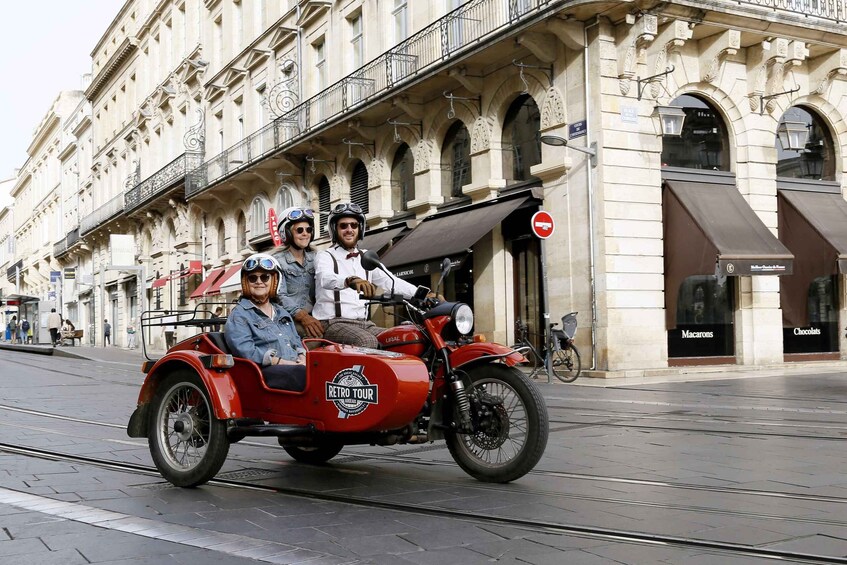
{"type": "Point", "coordinates": [188, 444]}
{"type": "Point", "coordinates": [511, 424]}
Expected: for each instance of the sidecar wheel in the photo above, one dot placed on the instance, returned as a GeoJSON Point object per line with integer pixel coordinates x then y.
{"type": "Point", "coordinates": [313, 455]}
{"type": "Point", "coordinates": [511, 437]}
{"type": "Point", "coordinates": [188, 444]}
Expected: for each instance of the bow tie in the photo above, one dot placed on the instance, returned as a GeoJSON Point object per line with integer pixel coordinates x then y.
{"type": "Point", "coordinates": [352, 254]}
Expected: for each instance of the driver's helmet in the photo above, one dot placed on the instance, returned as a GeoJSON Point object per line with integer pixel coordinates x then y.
{"type": "Point", "coordinates": [295, 215]}
{"type": "Point", "coordinates": [260, 262]}
{"type": "Point", "coordinates": [346, 210]}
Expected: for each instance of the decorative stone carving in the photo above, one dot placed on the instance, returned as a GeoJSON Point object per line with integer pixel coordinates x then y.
{"type": "Point", "coordinates": [672, 38]}
{"type": "Point", "coordinates": [635, 40]}
{"type": "Point", "coordinates": [826, 68]}
{"type": "Point", "coordinates": [481, 135]}
{"type": "Point", "coordinates": [422, 152]}
{"type": "Point", "coordinates": [765, 62]}
{"type": "Point", "coordinates": [283, 96]}
{"type": "Point", "coordinates": [195, 138]}
{"type": "Point", "coordinates": [376, 170]}
{"type": "Point", "coordinates": [553, 109]}
{"type": "Point", "coordinates": [336, 183]}
{"type": "Point", "coordinates": [715, 49]}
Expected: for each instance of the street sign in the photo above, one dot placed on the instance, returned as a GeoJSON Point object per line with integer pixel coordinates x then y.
{"type": "Point", "coordinates": [272, 227]}
{"type": "Point", "coordinates": [55, 276]}
{"type": "Point", "coordinates": [542, 224]}
{"type": "Point", "coordinates": [577, 129]}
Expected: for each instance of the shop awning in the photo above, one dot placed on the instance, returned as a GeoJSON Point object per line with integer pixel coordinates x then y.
{"type": "Point", "coordinates": [710, 229]}
{"type": "Point", "coordinates": [813, 226]}
{"type": "Point", "coordinates": [451, 234]}
{"type": "Point", "coordinates": [193, 268]}
{"type": "Point", "coordinates": [227, 282]}
{"type": "Point", "coordinates": [201, 289]}
{"type": "Point", "coordinates": [17, 299]}
{"type": "Point", "coordinates": [376, 241]}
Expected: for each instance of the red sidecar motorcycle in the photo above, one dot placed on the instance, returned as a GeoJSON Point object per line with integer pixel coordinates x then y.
{"type": "Point", "coordinates": [429, 381]}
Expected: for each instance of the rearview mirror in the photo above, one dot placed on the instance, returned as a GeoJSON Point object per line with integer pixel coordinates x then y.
{"type": "Point", "coordinates": [370, 260]}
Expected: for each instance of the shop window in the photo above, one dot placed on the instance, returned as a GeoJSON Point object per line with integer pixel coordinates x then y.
{"type": "Point", "coordinates": [456, 160]}
{"type": "Point", "coordinates": [821, 335]}
{"type": "Point", "coordinates": [704, 141]}
{"type": "Point", "coordinates": [521, 139]}
{"type": "Point", "coordinates": [402, 178]}
{"type": "Point", "coordinates": [816, 161]}
{"type": "Point", "coordinates": [703, 318]}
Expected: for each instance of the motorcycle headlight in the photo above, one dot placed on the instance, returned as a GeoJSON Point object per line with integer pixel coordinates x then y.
{"type": "Point", "coordinates": [463, 319]}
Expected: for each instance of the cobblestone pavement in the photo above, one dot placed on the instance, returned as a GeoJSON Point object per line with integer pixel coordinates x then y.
{"type": "Point", "coordinates": [726, 458]}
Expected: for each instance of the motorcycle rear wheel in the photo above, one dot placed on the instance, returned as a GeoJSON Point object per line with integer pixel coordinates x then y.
{"type": "Point", "coordinates": [187, 442]}
{"type": "Point", "coordinates": [508, 443]}
{"type": "Point", "coordinates": [313, 455]}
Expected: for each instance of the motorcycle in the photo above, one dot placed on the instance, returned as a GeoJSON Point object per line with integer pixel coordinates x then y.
{"type": "Point", "coordinates": [429, 381]}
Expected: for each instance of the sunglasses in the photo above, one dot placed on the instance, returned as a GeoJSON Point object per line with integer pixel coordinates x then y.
{"type": "Point", "coordinates": [303, 229]}
{"type": "Point", "coordinates": [298, 213]}
{"type": "Point", "coordinates": [347, 207]}
{"type": "Point", "coordinates": [256, 277]}
{"type": "Point", "coordinates": [349, 225]}
{"type": "Point", "coordinates": [265, 263]}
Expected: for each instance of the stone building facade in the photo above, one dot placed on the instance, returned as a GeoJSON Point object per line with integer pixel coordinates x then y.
{"type": "Point", "coordinates": [675, 249]}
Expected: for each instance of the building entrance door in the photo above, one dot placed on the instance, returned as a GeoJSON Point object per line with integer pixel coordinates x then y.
{"type": "Point", "coordinates": [526, 257]}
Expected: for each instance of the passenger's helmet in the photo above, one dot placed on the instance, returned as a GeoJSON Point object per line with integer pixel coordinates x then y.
{"type": "Point", "coordinates": [346, 210]}
{"type": "Point", "coordinates": [295, 215]}
{"type": "Point", "coordinates": [261, 262]}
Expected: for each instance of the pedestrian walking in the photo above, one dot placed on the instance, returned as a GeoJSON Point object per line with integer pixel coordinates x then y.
{"type": "Point", "coordinates": [25, 331]}
{"type": "Point", "coordinates": [218, 318]}
{"type": "Point", "coordinates": [107, 333]}
{"type": "Point", "coordinates": [13, 328]}
{"type": "Point", "coordinates": [130, 336]}
{"type": "Point", "coordinates": [54, 324]}
{"type": "Point", "coordinates": [169, 329]}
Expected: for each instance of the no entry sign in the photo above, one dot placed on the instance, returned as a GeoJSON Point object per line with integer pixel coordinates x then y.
{"type": "Point", "coordinates": [272, 227]}
{"type": "Point", "coordinates": [542, 224]}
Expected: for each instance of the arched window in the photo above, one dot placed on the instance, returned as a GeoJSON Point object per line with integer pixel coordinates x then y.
{"type": "Point", "coordinates": [221, 239]}
{"type": "Point", "coordinates": [323, 205]}
{"type": "Point", "coordinates": [704, 141]}
{"type": "Point", "coordinates": [359, 186]}
{"type": "Point", "coordinates": [456, 160]}
{"type": "Point", "coordinates": [402, 178]}
{"type": "Point", "coordinates": [816, 160]}
{"type": "Point", "coordinates": [285, 198]}
{"type": "Point", "coordinates": [242, 231]}
{"type": "Point", "coordinates": [521, 140]}
{"type": "Point", "coordinates": [258, 217]}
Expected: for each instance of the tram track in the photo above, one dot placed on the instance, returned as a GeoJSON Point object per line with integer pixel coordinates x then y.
{"type": "Point", "coordinates": [408, 457]}
{"type": "Point", "coordinates": [534, 525]}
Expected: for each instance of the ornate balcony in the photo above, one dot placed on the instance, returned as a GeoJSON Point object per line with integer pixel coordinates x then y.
{"type": "Point", "coordinates": [103, 214]}
{"type": "Point", "coordinates": [60, 247]}
{"type": "Point", "coordinates": [10, 272]}
{"type": "Point", "coordinates": [162, 180]}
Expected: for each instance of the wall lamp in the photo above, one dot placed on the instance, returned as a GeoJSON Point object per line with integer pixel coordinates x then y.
{"type": "Point", "coordinates": [671, 119]}
{"type": "Point", "coordinates": [559, 141]}
{"type": "Point", "coordinates": [793, 135]}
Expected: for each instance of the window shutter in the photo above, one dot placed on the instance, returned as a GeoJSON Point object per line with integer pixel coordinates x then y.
{"type": "Point", "coordinates": [323, 205]}
{"type": "Point", "coordinates": [359, 186]}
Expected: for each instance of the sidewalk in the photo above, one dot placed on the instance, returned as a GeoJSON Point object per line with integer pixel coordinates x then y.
{"type": "Point", "coordinates": [112, 354]}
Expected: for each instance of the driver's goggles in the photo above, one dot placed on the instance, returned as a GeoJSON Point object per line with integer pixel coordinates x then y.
{"type": "Point", "coordinates": [347, 207]}
{"type": "Point", "coordinates": [252, 264]}
{"type": "Point", "coordinates": [299, 213]}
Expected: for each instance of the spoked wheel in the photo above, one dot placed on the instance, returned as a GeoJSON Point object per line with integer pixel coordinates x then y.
{"type": "Point", "coordinates": [530, 366]}
{"type": "Point", "coordinates": [511, 424]}
{"type": "Point", "coordinates": [313, 455]}
{"type": "Point", "coordinates": [188, 444]}
{"type": "Point", "coordinates": [567, 364]}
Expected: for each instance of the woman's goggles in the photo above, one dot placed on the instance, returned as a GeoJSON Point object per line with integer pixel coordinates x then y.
{"type": "Point", "coordinates": [347, 207]}
{"type": "Point", "coordinates": [252, 264]}
{"type": "Point", "coordinates": [300, 213]}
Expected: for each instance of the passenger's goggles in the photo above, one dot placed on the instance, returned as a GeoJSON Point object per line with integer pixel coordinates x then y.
{"type": "Point", "coordinates": [300, 213]}
{"type": "Point", "coordinates": [252, 264]}
{"type": "Point", "coordinates": [347, 207]}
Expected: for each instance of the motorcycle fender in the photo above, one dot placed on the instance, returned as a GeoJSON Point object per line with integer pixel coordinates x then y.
{"type": "Point", "coordinates": [485, 352]}
{"type": "Point", "coordinates": [219, 384]}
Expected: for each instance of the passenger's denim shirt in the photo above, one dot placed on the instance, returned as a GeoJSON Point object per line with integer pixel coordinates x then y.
{"type": "Point", "coordinates": [297, 285]}
{"type": "Point", "coordinates": [252, 335]}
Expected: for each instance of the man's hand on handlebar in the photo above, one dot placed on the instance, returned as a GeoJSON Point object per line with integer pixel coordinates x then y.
{"type": "Point", "coordinates": [363, 287]}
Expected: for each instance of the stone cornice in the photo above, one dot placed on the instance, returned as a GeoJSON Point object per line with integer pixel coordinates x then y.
{"type": "Point", "coordinates": [117, 59]}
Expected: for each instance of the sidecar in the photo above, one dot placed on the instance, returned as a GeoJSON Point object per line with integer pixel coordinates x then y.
{"type": "Point", "coordinates": [198, 398]}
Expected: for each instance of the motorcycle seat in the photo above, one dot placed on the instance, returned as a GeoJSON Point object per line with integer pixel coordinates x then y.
{"type": "Point", "coordinates": [217, 338]}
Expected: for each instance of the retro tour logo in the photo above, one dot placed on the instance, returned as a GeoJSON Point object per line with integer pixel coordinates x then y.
{"type": "Point", "coordinates": [351, 392]}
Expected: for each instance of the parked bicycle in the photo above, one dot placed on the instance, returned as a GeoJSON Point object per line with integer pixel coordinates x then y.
{"type": "Point", "coordinates": [566, 363]}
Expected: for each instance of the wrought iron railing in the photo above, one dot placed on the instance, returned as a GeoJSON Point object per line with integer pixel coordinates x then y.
{"type": "Point", "coordinates": [460, 30]}
{"type": "Point", "coordinates": [457, 31]}
{"type": "Point", "coordinates": [10, 272]}
{"type": "Point", "coordinates": [60, 247]}
{"type": "Point", "coordinates": [73, 237]}
{"type": "Point", "coordinates": [161, 180]}
{"type": "Point", "coordinates": [104, 213]}
{"type": "Point", "coordinates": [826, 9]}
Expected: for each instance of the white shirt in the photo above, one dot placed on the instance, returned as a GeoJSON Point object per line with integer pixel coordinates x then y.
{"type": "Point", "coordinates": [327, 282]}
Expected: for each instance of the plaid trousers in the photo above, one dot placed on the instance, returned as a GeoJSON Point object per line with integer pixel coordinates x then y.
{"type": "Point", "coordinates": [361, 333]}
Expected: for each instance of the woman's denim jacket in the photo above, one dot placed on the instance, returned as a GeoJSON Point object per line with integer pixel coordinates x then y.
{"type": "Point", "coordinates": [252, 335]}
{"type": "Point", "coordinates": [297, 285]}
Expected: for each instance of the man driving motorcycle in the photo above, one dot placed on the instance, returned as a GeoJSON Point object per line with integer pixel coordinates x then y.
{"type": "Point", "coordinates": [340, 279]}
{"type": "Point", "coordinates": [297, 284]}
